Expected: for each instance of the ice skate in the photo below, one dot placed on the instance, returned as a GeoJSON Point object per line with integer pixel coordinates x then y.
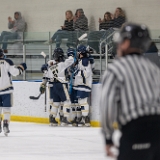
{"type": "Point", "coordinates": [65, 122]}
{"type": "Point", "coordinates": [6, 127]}
{"type": "Point", "coordinates": [74, 122]}
{"type": "Point", "coordinates": [53, 121]}
{"type": "Point", "coordinates": [61, 118]}
{"type": "Point", "coordinates": [87, 121]}
{"type": "Point", "coordinates": [81, 122]}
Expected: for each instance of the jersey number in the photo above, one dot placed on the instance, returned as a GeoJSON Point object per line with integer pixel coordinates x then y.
{"type": "Point", "coordinates": [54, 71]}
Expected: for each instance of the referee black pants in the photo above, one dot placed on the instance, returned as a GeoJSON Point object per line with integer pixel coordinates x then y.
{"type": "Point", "coordinates": [141, 139]}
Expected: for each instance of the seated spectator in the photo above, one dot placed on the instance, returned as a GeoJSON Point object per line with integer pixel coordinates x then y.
{"type": "Point", "coordinates": [107, 22]}
{"type": "Point", "coordinates": [63, 32]}
{"type": "Point", "coordinates": [17, 26]}
{"type": "Point", "coordinates": [80, 20]}
{"type": "Point", "coordinates": [119, 18]}
{"type": "Point", "coordinates": [80, 25]}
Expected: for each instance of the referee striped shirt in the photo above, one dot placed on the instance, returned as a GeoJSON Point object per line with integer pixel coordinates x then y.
{"type": "Point", "coordinates": [130, 89]}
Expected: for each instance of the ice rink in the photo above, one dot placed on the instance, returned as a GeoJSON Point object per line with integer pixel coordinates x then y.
{"type": "Point", "coordinates": [29, 141]}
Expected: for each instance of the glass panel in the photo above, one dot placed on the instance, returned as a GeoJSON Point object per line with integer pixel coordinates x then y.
{"type": "Point", "coordinates": [36, 42]}
{"type": "Point", "coordinates": [35, 37]}
{"type": "Point", "coordinates": [155, 34]}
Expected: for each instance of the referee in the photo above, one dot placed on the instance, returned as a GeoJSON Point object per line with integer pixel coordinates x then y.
{"type": "Point", "coordinates": [130, 98]}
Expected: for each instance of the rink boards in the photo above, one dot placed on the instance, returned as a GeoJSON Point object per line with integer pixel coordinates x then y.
{"type": "Point", "coordinates": [26, 110]}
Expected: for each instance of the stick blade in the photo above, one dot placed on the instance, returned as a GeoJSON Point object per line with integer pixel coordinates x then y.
{"type": "Point", "coordinates": [43, 54]}
{"type": "Point", "coordinates": [34, 98]}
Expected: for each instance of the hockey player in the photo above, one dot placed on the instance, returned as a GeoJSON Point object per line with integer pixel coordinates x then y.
{"type": "Point", "coordinates": [48, 79]}
{"type": "Point", "coordinates": [70, 73]}
{"type": "Point", "coordinates": [7, 69]}
{"type": "Point", "coordinates": [83, 84]}
{"type": "Point", "coordinates": [56, 73]}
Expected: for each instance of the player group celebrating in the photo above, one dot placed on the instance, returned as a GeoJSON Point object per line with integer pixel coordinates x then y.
{"type": "Point", "coordinates": [69, 81]}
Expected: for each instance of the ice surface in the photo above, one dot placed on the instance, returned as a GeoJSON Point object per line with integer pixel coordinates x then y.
{"type": "Point", "coordinates": [29, 141]}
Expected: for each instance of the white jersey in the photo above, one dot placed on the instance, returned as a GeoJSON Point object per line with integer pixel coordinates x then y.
{"type": "Point", "coordinates": [57, 70]}
{"type": "Point", "coordinates": [83, 80]}
{"type": "Point", "coordinates": [7, 69]}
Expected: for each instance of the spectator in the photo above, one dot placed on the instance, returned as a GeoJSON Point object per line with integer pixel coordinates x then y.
{"type": "Point", "coordinates": [68, 23]}
{"type": "Point", "coordinates": [16, 26]}
{"type": "Point", "coordinates": [119, 18]}
{"type": "Point", "coordinates": [80, 20]}
{"type": "Point", "coordinates": [107, 22]}
{"type": "Point", "coordinates": [63, 33]}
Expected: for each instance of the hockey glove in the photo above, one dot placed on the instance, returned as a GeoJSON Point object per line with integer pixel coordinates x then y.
{"type": "Point", "coordinates": [44, 68]}
{"type": "Point", "coordinates": [71, 52]}
{"type": "Point", "coordinates": [42, 88]}
{"type": "Point", "coordinates": [22, 67]}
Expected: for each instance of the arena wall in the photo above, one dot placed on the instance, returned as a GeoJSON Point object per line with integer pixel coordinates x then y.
{"type": "Point", "coordinates": [27, 110]}
{"type": "Point", "coordinates": [48, 15]}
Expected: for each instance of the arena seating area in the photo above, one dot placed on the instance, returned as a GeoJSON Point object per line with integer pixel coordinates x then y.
{"type": "Point", "coordinates": [31, 44]}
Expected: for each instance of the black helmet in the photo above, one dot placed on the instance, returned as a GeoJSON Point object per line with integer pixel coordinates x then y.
{"type": "Point", "coordinates": [82, 50]}
{"type": "Point", "coordinates": [1, 53]}
{"type": "Point", "coordinates": [137, 34]}
{"type": "Point", "coordinates": [58, 55]}
{"type": "Point", "coordinates": [44, 68]}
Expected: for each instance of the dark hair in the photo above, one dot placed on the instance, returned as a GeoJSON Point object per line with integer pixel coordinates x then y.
{"type": "Point", "coordinates": [16, 13]}
{"type": "Point", "coordinates": [109, 16]}
{"type": "Point", "coordinates": [76, 12]}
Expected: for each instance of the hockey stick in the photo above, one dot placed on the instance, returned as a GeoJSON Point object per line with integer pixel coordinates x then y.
{"type": "Point", "coordinates": [81, 38]}
{"type": "Point", "coordinates": [45, 101]}
{"type": "Point", "coordinates": [35, 98]}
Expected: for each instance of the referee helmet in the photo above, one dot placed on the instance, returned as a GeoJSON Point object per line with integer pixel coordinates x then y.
{"type": "Point", "coordinates": [137, 34]}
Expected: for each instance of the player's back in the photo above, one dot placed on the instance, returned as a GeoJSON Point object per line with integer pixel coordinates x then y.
{"type": "Point", "coordinates": [83, 80]}
{"type": "Point", "coordinates": [57, 70]}
{"type": "Point", "coordinates": [7, 69]}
